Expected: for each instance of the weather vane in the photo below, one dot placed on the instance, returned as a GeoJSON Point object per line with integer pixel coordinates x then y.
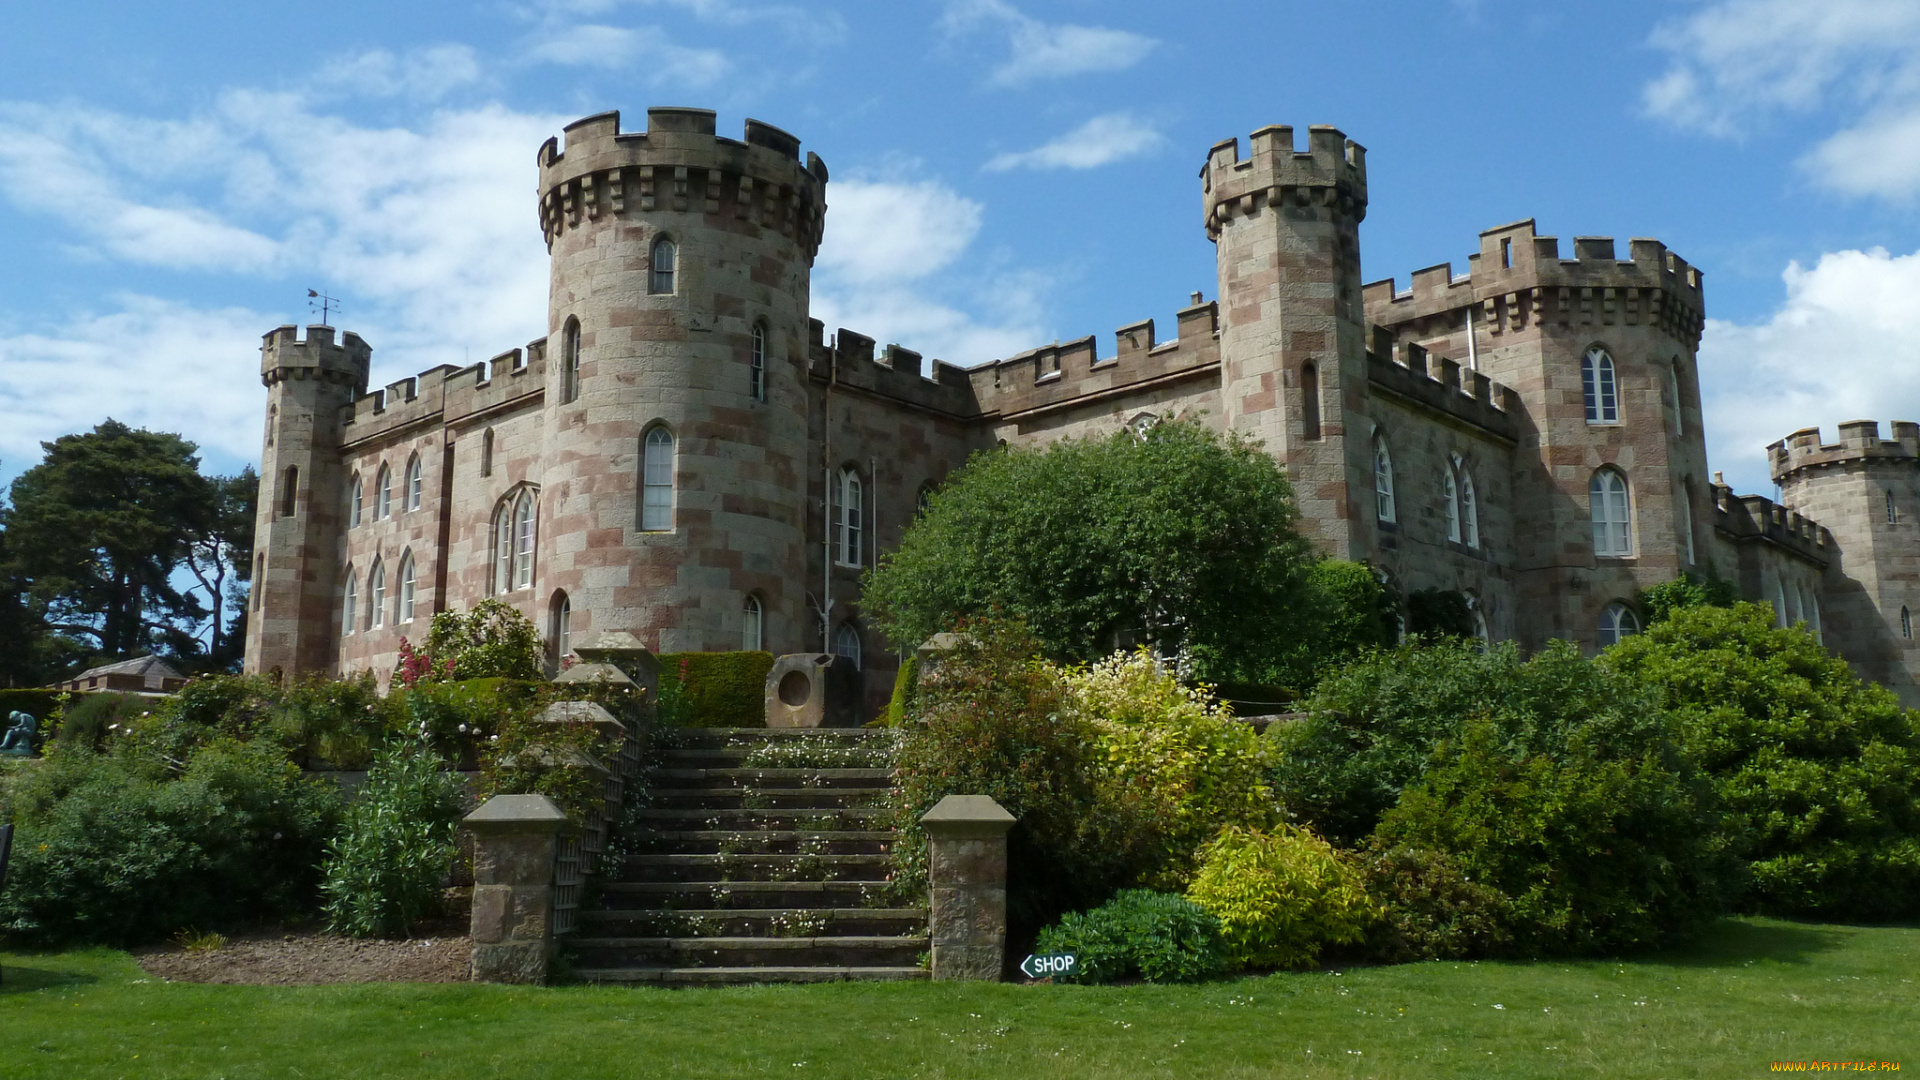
{"type": "Point", "coordinates": [324, 304]}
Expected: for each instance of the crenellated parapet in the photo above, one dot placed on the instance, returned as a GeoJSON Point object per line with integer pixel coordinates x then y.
{"type": "Point", "coordinates": [1758, 519]}
{"type": "Point", "coordinates": [1331, 173]}
{"type": "Point", "coordinates": [1518, 279]}
{"type": "Point", "coordinates": [895, 374]}
{"type": "Point", "coordinates": [285, 356]}
{"type": "Point", "coordinates": [1860, 441]}
{"type": "Point", "coordinates": [1073, 373]}
{"type": "Point", "coordinates": [679, 163]}
{"type": "Point", "coordinates": [1408, 371]}
{"type": "Point", "coordinates": [447, 395]}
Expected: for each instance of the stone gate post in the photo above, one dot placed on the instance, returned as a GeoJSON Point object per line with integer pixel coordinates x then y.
{"type": "Point", "coordinates": [516, 843]}
{"type": "Point", "coordinates": [967, 872]}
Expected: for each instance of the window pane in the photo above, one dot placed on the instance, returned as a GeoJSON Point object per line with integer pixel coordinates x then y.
{"type": "Point", "coordinates": [663, 260]}
{"type": "Point", "coordinates": [656, 496]}
{"type": "Point", "coordinates": [846, 642]}
{"type": "Point", "coordinates": [750, 624]}
{"type": "Point", "coordinates": [523, 543]}
{"type": "Point", "coordinates": [347, 604]}
{"type": "Point", "coordinates": [1453, 508]}
{"type": "Point", "coordinates": [1470, 509]}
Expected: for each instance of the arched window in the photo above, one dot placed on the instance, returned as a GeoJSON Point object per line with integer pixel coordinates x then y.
{"type": "Point", "coordinates": [846, 642]}
{"type": "Point", "coordinates": [570, 361]}
{"type": "Point", "coordinates": [1810, 603]}
{"type": "Point", "coordinates": [1612, 514]}
{"type": "Point", "coordinates": [1142, 424]}
{"type": "Point", "coordinates": [561, 632]}
{"type": "Point", "coordinates": [1685, 510]}
{"type": "Point", "coordinates": [413, 482]}
{"type": "Point", "coordinates": [846, 518]}
{"type": "Point", "coordinates": [355, 498]}
{"type": "Point", "coordinates": [1382, 481]}
{"type": "Point", "coordinates": [1906, 624]}
{"type": "Point", "coordinates": [1599, 387]}
{"type": "Point", "coordinates": [1453, 505]}
{"type": "Point", "coordinates": [1310, 402]}
{"type": "Point", "coordinates": [656, 482]}
{"type": "Point", "coordinates": [660, 281]}
{"type": "Point", "coordinates": [1893, 512]}
{"type": "Point", "coordinates": [403, 612]}
{"type": "Point", "coordinates": [1673, 390]}
{"type": "Point", "coordinates": [503, 547]}
{"type": "Point", "coordinates": [486, 453]}
{"type": "Point", "coordinates": [753, 618]}
{"type": "Point", "coordinates": [289, 491]}
{"type": "Point", "coordinates": [757, 363]}
{"type": "Point", "coordinates": [924, 499]}
{"type": "Point", "coordinates": [377, 596]}
{"type": "Point", "coordinates": [347, 623]}
{"type": "Point", "coordinates": [1779, 604]}
{"type": "Point", "coordinates": [382, 494]}
{"type": "Point", "coordinates": [1469, 510]}
{"type": "Point", "coordinates": [1480, 631]}
{"type": "Point", "coordinates": [1617, 623]}
{"type": "Point", "coordinates": [523, 542]}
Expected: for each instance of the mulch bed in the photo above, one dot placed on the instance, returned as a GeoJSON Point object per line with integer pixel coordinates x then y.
{"type": "Point", "coordinates": [279, 958]}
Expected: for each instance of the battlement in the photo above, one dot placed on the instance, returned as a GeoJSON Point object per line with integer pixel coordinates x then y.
{"type": "Point", "coordinates": [1331, 172]}
{"type": "Point", "coordinates": [679, 163]}
{"type": "Point", "coordinates": [284, 355]}
{"type": "Point", "coordinates": [1518, 278]}
{"type": "Point", "coordinates": [1406, 370]}
{"type": "Point", "coordinates": [1859, 441]}
{"type": "Point", "coordinates": [1758, 519]}
{"type": "Point", "coordinates": [448, 394]}
{"type": "Point", "coordinates": [1072, 373]}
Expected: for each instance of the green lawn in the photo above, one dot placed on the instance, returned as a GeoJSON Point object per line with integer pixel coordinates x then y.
{"type": "Point", "coordinates": [1754, 992]}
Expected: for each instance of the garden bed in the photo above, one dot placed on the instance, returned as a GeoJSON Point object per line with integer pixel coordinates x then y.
{"type": "Point", "coordinates": [300, 959]}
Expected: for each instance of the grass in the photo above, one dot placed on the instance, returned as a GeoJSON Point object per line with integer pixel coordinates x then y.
{"type": "Point", "coordinates": [1752, 992]}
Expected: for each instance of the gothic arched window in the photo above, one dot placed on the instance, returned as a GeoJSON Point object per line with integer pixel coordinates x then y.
{"type": "Point", "coordinates": [354, 500]}
{"type": "Point", "coordinates": [1599, 387]}
{"type": "Point", "coordinates": [753, 619]}
{"type": "Point", "coordinates": [513, 540]}
{"type": "Point", "coordinates": [1382, 481]}
{"type": "Point", "coordinates": [561, 632]}
{"type": "Point", "coordinates": [656, 481]}
{"type": "Point", "coordinates": [403, 611]}
{"type": "Point", "coordinates": [570, 361]}
{"type": "Point", "coordinates": [1452, 487]}
{"type": "Point", "coordinates": [1469, 510]}
{"type": "Point", "coordinates": [660, 280]}
{"type": "Point", "coordinates": [847, 504]}
{"type": "Point", "coordinates": [503, 547]}
{"type": "Point", "coordinates": [347, 603]}
{"type": "Point", "coordinates": [414, 482]}
{"type": "Point", "coordinates": [1617, 622]}
{"type": "Point", "coordinates": [757, 363]}
{"type": "Point", "coordinates": [382, 494]}
{"type": "Point", "coordinates": [846, 642]}
{"type": "Point", "coordinates": [523, 542]}
{"type": "Point", "coordinates": [1612, 514]}
{"type": "Point", "coordinates": [377, 596]}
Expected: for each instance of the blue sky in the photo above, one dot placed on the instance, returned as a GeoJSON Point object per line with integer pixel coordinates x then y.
{"type": "Point", "coordinates": [173, 178]}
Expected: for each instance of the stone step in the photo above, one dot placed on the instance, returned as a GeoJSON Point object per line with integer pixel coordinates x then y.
{"type": "Point", "coordinates": [740, 867]}
{"type": "Point", "coordinates": [802, 755]}
{"type": "Point", "coordinates": [738, 952]}
{"type": "Point", "coordinates": [768, 798]}
{"type": "Point", "coordinates": [768, 841]}
{"type": "Point", "coordinates": [663, 780]}
{"type": "Point", "coordinates": [752, 922]}
{"type": "Point", "coordinates": [690, 737]}
{"type": "Point", "coordinates": [742, 819]}
{"type": "Point", "coordinates": [721, 976]}
{"type": "Point", "coordinates": [743, 895]}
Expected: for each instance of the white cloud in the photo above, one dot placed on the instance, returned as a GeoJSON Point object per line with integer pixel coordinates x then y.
{"type": "Point", "coordinates": [1100, 141]}
{"type": "Point", "coordinates": [425, 74]}
{"type": "Point", "coordinates": [1736, 62]}
{"type": "Point", "coordinates": [1844, 346]}
{"type": "Point", "coordinates": [600, 45]}
{"type": "Point", "coordinates": [1039, 50]}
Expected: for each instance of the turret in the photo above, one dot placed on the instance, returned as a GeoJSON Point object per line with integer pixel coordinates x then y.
{"type": "Point", "coordinates": [310, 384]}
{"type": "Point", "coordinates": [1292, 334]}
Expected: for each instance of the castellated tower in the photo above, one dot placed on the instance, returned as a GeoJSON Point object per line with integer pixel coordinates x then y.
{"type": "Point", "coordinates": [1286, 229]}
{"type": "Point", "coordinates": [677, 328]}
{"type": "Point", "coordinates": [292, 625]}
{"type": "Point", "coordinates": [1866, 491]}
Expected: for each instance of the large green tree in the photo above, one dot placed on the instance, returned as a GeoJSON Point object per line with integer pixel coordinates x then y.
{"type": "Point", "coordinates": [98, 530]}
{"type": "Point", "coordinates": [1175, 535]}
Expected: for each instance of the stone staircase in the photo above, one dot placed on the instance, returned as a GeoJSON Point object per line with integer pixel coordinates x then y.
{"type": "Point", "coordinates": [764, 861]}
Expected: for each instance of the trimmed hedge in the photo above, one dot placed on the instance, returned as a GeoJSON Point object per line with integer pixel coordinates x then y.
{"type": "Point", "coordinates": [39, 703]}
{"type": "Point", "coordinates": [714, 689]}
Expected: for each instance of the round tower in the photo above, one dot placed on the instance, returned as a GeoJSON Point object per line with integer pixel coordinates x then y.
{"type": "Point", "coordinates": [310, 383]}
{"type": "Point", "coordinates": [1286, 228]}
{"type": "Point", "coordinates": [672, 498]}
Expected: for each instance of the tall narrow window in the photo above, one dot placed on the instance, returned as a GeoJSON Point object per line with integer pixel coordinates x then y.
{"type": "Point", "coordinates": [757, 363]}
{"type": "Point", "coordinates": [290, 491]}
{"type": "Point", "coordinates": [256, 587]}
{"type": "Point", "coordinates": [1598, 385]}
{"type": "Point", "coordinates": [1686, 520]}
{"type": "Point", "coordinates": [1893, 512]}
{"type": "Point", "coordinates": [1469, 510]}
{"type": "Point", "coordinates": [414, 482]}
{"type": "Point", "coordinates": [1612, 514]}
{"type": "Point", "coordinates": [1673, 390]}
{"type": "Point", "coordinates": [377, 596]}
{"type": "Point", "coordinates": [403, 612]}
{"type": "Point", "coordinates": [660, 281]}
{"type": "Point", "coordinates": [1810, 602]}
{"type": "Point", "coordinates": [486, 453]}
{"type": "Point", "coordinates": [382, 494]}
{"type": "Point", "coordinates": [846, 642]}
{"type": "Point", "coordinates": [347, 599]}
{"type": "Point", "coordinates": [1617, 622]}
{"type": "Point", "coordinates": [656, 482]}
{"type": "Point", "coordinates": [523, 542]}
{"type": "Point", "coordinates": [1382, 481]}
{"type": "Point", "coordinates": [503, 547]}
{"type": "Point", "coordinates": [1453, 504]}
{"type": "Point", "coordinates": [1906, 624]}
{"type": "Point", "coordinates": [570, 361]}
{"type": "Point", "coordinates": [355, 497]}
{"type": "Point", "coordinates": [1310, 402]}
{"type": "Point", "coordinates": [752, 624]}
{"type": "Point", "coordinates": [561, 632]}
{"type": "Point", "coordinates": [846, 524]}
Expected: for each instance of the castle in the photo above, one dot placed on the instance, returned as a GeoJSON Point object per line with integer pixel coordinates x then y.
{"type": "Point", "coordinates": [688, 456]}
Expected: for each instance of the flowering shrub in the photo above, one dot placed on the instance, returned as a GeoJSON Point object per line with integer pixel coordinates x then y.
{"type": "Point", "coordinates": [1160, 937]}
{"type": "Point", "coordinates": [1281, 896]}
{"type": "Point", "coordinates": [417, 667]}
{"type": "Point", "coordinates": [387, 867]}
{"type": "Point", "coordinates": [492, 639]}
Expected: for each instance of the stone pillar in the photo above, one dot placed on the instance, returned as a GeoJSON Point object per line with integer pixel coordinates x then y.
{"type": "Point", "coordinates": [515, 841]}
{"type": "Point", "coordinates": [967, 868]}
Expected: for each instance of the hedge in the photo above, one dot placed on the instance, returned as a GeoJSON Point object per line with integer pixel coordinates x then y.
{"type": "Point", "coordinates": [714, 689]}
{"type": "Point", "coordinates": [38, 703]}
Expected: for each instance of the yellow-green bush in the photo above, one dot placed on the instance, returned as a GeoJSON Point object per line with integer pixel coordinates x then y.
{"type": "Point", "coordinates": [1281, 896]}
{"type": "Point", "coordinates": [714, 689]}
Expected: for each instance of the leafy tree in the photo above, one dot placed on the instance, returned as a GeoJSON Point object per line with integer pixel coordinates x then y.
{"type": "Point", "coordinates": [491, 640]}
{"type": "Point", "coordinates": [98, 529]}
{"type": "Point", "coordinates": [1686, 591]}
{"type": "Point", "coordinates": [1177, 536]}
{"type": "Point", "coordinates": [1820, 771]}
{"type": "Point", "coordinates": [1441, 612]}
{"type": "Point", "coordinates": [223, 550]}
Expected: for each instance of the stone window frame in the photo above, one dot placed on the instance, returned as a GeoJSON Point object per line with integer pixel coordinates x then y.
{"type": "Point", "coordinates": [662, 282]}
{"type": "Point", "coordinates": [1310, 420]}
{"type": "Point", "coordinates": [383, 493]}
{"type": "Point", "coordinates": [1893, 508]}
{"type": "Point", "coordinates": [1906, 623]}
{"type": "Point", "coordinates": [1384, 511]}
{"type": "Point", "coordinates": [1600, 386]}
{"type": "Point", "coordinates": [1603, 544]}
{"type": "Point", "coordinates": [348, 614]}
{"type": "Point", "coordinates": [512, 550]}
{"type": "Point", "coordinates": [659, 478]}
{"type": "Point", "coordinates": [847, 643]}
{"type": "Point", "coordinates": [753, 623]}
{"type": "Point", "coordinates": [1618, 621]}
{"type": "Point", "coordinates": [415, 484]}
{"type": "Point", "coordinates": [486, 452]}
{"type": "Point", "coordinates": [376, 594]}
{"type": "Point", "coordinates": [405, 590]}
{"type": "Point", "coordinates": [356, 500]}
{"type": "Point", "coordinates": [560, 625]}
{"type": "Point", "coordinates": [1686, 522]}
{"type": "Point", "coordinates": [849, 509]}
{"type": "Point", "coordinates": [570, 361]}
{"type": "Point", "coordinates": [757, 361]}
{"type": "Point", "coordinates": [289, 491]}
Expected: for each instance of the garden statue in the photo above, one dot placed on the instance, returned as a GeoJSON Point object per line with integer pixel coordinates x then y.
{"type": "Point", "coordinates": [18, 741]}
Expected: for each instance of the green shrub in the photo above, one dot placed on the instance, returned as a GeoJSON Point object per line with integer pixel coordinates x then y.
{"type": "Point", "coordinates": [90, 721]}
{"type": "Point", "coordinates": [1159, 937]}
{"type": "Point", "coordinates": [556, 759]}
{"type": "Point", "coordinates": [39, 704]}
{"type": "Point", "coordinates": [340, 721]}
{"type": "Point", "coordinates": [1687, 591]}
{"type": "Point", "coordinates": [715, 689]}
{"type": "Point", "coordinates": [120, 849]}
{"type": "Point", "coordinates": [1430, 909]}
{"type": "Point", "coordinates": [1440, 613]}
{"type": "Point", "coordinates": [1280, 896]}
{"type": "Point", "coordinates": [456, 716]}
{"type": "Point", "coordinates": [1819, 771]}
{"type": "Point", "coordinates": [387, 867]}
{"type": "Point", "coordinates": [490, 640]}
{"type": "Point", "coordinates": [1347, 612]}
{"type": "Point", "coordinates": [905, 684]}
